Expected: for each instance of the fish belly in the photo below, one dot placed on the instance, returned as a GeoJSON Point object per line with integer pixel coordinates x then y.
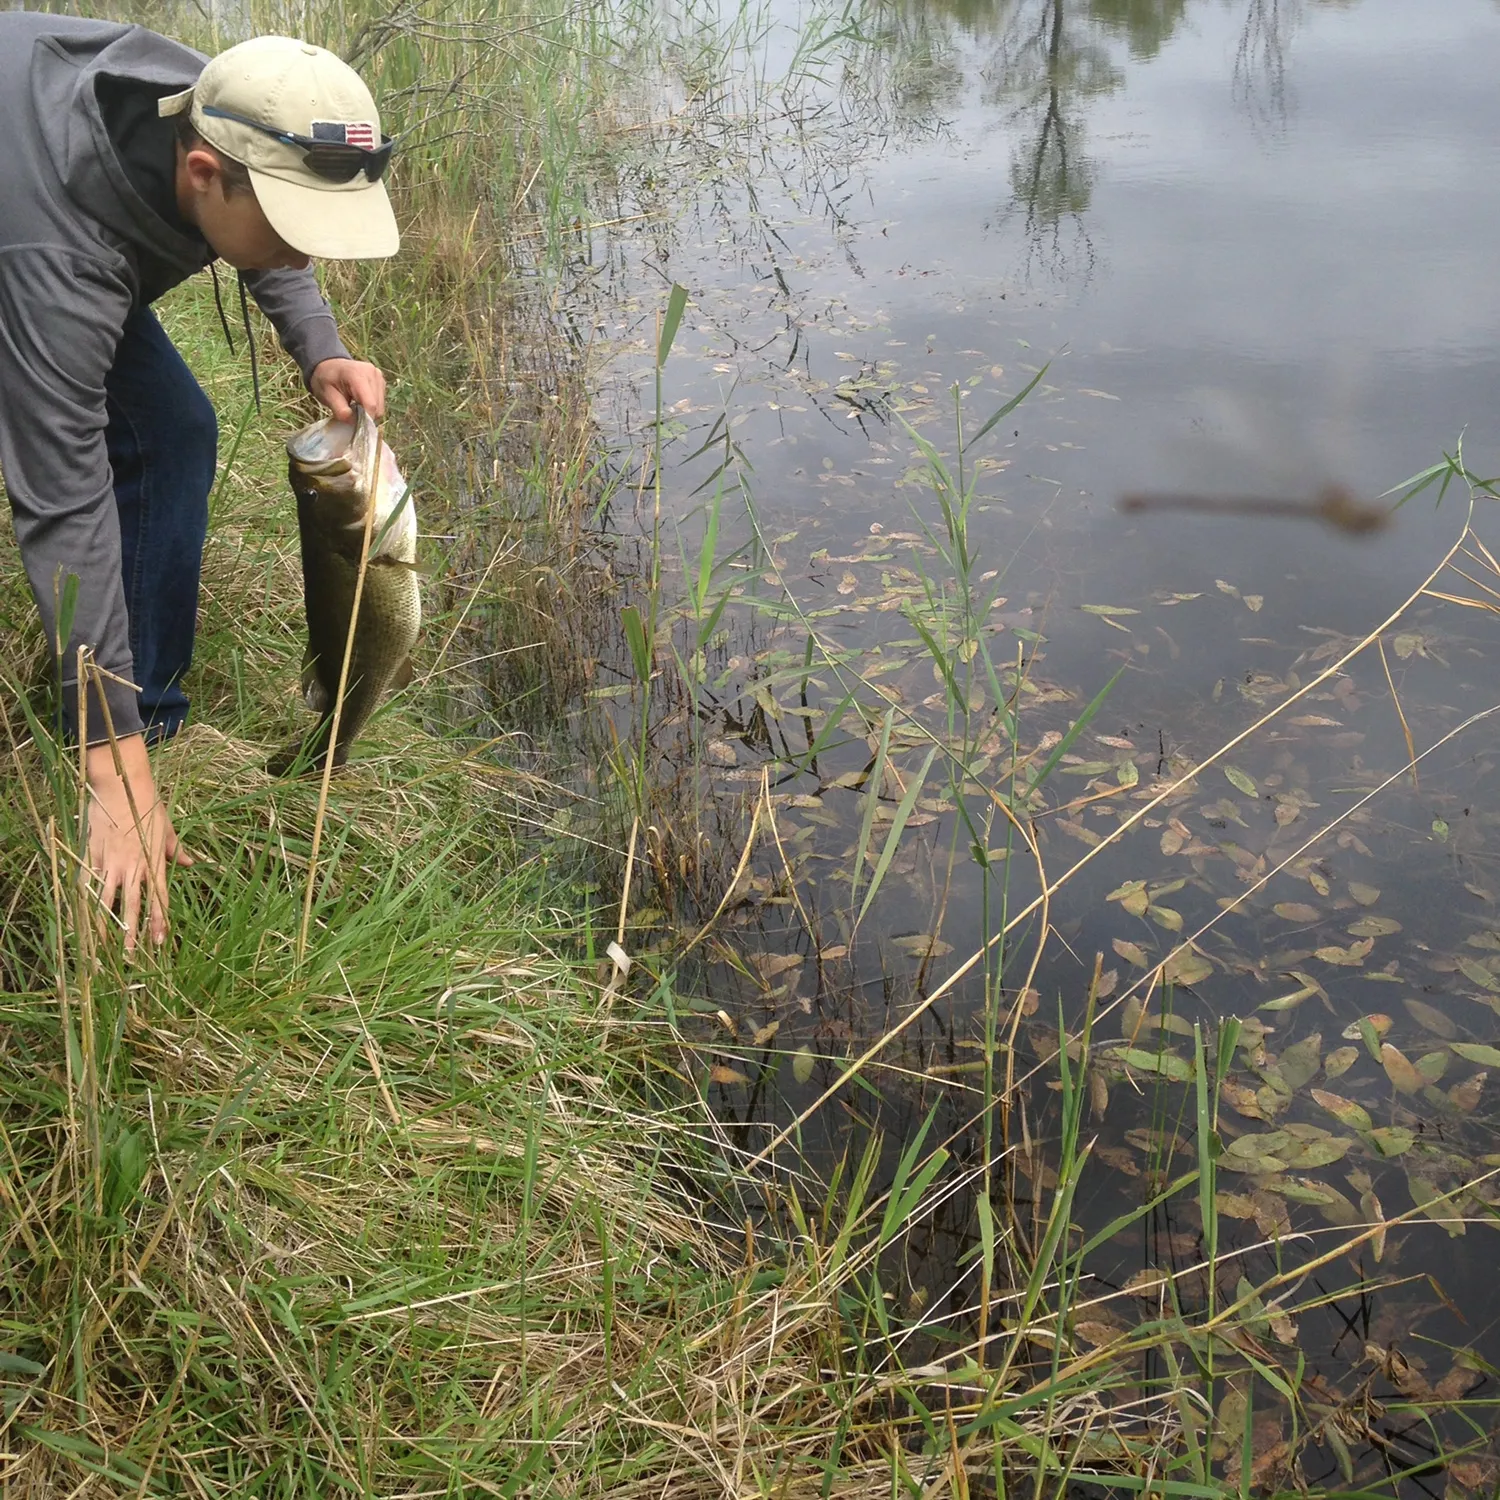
{"type": "Point", "coordinates": [390, 615]}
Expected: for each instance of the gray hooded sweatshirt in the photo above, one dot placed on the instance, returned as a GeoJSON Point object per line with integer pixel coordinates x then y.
{"type": "Point", "coordinates": [75, 237]}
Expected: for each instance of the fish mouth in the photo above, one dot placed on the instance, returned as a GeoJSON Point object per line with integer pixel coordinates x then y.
{"type": "Point", "coordinates": [335, 447]}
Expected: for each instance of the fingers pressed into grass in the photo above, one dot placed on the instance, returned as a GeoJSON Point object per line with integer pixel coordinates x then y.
{"type": "Point", "coordinates": [131, 841]}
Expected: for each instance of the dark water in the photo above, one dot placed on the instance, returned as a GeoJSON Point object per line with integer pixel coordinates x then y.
{"type": "Point", "coordinates": [1254, 245]}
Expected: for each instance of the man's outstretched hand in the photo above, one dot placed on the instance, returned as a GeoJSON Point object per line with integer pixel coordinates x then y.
{"type": "Point", "coordinates": [125, 855]}
{"type": "Point", "coordinates": [339, 382]}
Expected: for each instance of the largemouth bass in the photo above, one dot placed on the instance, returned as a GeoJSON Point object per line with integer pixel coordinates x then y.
{"type": "Point", "coordinates": [338, 471]}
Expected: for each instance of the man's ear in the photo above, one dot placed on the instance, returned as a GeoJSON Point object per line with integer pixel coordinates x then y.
{"type": "Point", "coordinates": [203, 169]}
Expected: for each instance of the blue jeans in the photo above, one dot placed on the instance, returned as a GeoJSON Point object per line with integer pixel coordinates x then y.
{"type": "Point", "coordinates": [162, 437]}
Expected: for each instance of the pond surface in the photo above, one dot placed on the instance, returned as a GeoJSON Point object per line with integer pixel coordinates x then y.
{"type": "Point", "coordinates": [1253, 246]}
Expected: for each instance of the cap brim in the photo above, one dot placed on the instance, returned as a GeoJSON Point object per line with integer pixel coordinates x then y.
{"type": "Point", "coordinates": [329, 224]}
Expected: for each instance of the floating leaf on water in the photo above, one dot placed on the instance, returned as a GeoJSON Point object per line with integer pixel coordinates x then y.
{"type": "Point", "coordinates": [1300, 1190]}
{"type": "Point", "coordinates": [1399, 1069]}
{"type": "Point", "coordinates": [1165, 916]}
{"type": "Point", "coordinates": [1432, 1065]}
{"type": "Point", "coordinates": [1253, 602]}
{"type": "Point", "coordinates": [1352, 957]}
{"type": "Point", "coordinates": [1376, 1024]}
{"type": "Point", "coordinates": [1428, 1197]}
{"type": "Point", "coordinates": [1301, 1060]}
{"type": "Point", "coordinates": [1457, 1382]}
{"type": "Point", "coordinates": [836, 950]}
{"type": "Point", "coordinates": [1329, 1202]}
{"type": "Point", "coordinates": [1405, 644]}
{"type": "Point", "coordinates": [769, 965]}
{"type": "Point", "coordinates": [1373, 927]}
{"type": "Point", "coordinates": [765, 1034]}
{"type": "Point", "coordinates": [1476, 1052]}
{"type": "Point", "coordinates": [1225, 811]}
{"type": "Point", "coordinates": [731, 1076]}
{"type": "Point", "coordinates": [1168, 1064]}
{"type": "Point", "coordinates": [1272, 1101]}
{"type": "Point", "coordinates": [922, 945]}
{"type": "Point", "coordinates": [1085, 767]}
{"type": "Point", "coordinates": [1234, 1205]}
{"type": "Point", "coordinates": [1253, 1031]}
{"type": "Point", "coordinates": [1392, 1140]}
{"type": "Point", "coordinates": [1186, 967]}
{"type": "Point", "coordinates": [1107, 609]}
{"type": "Point", "coordinates": [1319, 882]}
{"type": "Point", "coordinates": [1148, 1283]}
{"type": "Point", "coordinates": [1241, 1099]}
{"type": "Point", "coordinates": [1339, 1061]}
{"type": "Point", "coordinates": [1132, 953]}
{"type": "Point", "coordinates": [1369, 1206]}
{"type": "Point", "coordinates": [1476, 973]}
{"type": "Point", "coordinates": [1465, 1096]}
{"type": "Point", "coordinates": [1431, 1019]}
{"type": "Point", "coordinates": [1241, 781]}
{"type": "Point", "coordinates": [1256, 1166]}
{"type": "Point", "coordinates": [1296, 911]}
{"type": "Point", "coordinates": [1118, 1159]}
{"type": "Point", "coordinates": [802, 1064]}
{"type": "Point", "coordinates": [1366, 895]}
{"type": "Point", "coordinates": [1440, 830]}
{"type": "Point", "coordinates": [1288, 1002]}
{"type": "Point", "coordinates": [1127, 774]}
{"type": "Point", "coordinates": [1257, 1145]}
{"type": "Point", "coordinates": [1131, 896]}
{"type": "Point", "coordinates": [1345, 1111]}
{"type": "Point", "coordinates": [1272, 1216]}
{"type": "Point", "coordinates": [1322, 1153]}
{"type": "Point", "coordinates": [1098, 1094]}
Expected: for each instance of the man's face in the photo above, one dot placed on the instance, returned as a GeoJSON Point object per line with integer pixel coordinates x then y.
{"type": "Point", "coordinates": [233, 223]}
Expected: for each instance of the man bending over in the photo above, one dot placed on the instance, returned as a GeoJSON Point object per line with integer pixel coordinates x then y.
{"type": "Point", "coordinates": [131, 162]}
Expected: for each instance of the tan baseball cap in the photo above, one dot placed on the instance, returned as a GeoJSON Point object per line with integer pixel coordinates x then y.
{"type": "Point", "coordinates": [276, 86]}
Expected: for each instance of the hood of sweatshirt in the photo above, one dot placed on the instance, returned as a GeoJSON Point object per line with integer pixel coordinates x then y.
{"type": "Point", "coordinates": [67, 67]}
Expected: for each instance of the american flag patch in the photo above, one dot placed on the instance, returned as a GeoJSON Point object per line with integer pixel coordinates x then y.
{"type": "Point", "coordinates": [345, 132]}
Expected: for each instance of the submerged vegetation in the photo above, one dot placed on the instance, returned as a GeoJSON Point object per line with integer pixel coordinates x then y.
{"type": "Point", "coordinates": [810, 1087]}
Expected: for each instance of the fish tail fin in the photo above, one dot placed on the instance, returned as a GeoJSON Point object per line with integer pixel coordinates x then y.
{"type": "Point", "coordinates": [305, 755]}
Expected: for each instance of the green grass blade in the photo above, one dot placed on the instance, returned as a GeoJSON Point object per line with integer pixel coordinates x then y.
{"type": "Point", "coordinates": [676, 303]}
{"type": "Point", "coordinates": [893, 838]}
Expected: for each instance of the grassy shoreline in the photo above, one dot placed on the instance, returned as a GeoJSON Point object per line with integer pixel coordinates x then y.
{"type": "Point", "coordinates": [410, 1214]}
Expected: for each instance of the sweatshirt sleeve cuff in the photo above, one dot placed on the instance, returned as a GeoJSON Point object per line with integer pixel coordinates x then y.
{"type": "Point", "coordinates": [124, 711]}
{"type": "Point", "coordinates": [315, 340]}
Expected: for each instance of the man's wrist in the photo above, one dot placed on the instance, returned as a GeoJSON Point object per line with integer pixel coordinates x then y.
{"type": "Point", "coordinates": [134, 758]}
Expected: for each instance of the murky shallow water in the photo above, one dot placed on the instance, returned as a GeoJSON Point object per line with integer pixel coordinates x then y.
{"type": "Point", "coordinates": [1253, 245]}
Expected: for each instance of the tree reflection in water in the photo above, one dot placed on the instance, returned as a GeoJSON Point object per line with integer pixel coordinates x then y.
{"type": "Point", "coordinates": [1050, 59]}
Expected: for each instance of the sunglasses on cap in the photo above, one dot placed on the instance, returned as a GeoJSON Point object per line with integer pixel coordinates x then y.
{"type": "Point", "coordinates": [334, 161]}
